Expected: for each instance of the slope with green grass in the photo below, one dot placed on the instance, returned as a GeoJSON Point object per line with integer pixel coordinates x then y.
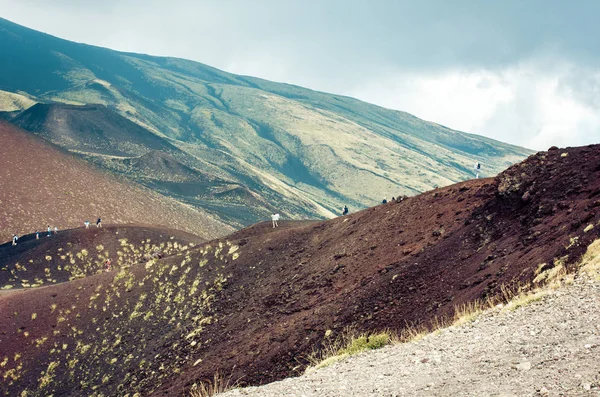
{"type": "Point", "coordinates": [297, 151]}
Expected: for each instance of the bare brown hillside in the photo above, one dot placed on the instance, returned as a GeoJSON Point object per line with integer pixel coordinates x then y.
{"type": "Point", "coordinates": [41, 185]}
{"type": "Point", "coordinates": [255, 303]}
{"type": "Point", "coordinates": [548, 348]}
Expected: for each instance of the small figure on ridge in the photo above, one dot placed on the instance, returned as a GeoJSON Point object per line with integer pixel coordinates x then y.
{"type": "Point", "coordinates": [477, 169]}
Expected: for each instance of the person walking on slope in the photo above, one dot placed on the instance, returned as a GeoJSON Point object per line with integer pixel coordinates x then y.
{"type": "Point", "coordinates": [49, 231]}
{"type": "Point", "coordinates": [99, 223]}
{"type": "Point", "coordinates": [37, 235]}
{"type": "Point", "coordinates": [345, 211]}
{"type": "Point", "coordinates": [477, 169]}
{"type": "Point", "coordinates": [87, 224]}
{"type": "Point", "coordinates": [14, 239]}
{"type": "Point", "coordinates": [275, 218]}
{"type": "Point", "coordinates": [55, 229]}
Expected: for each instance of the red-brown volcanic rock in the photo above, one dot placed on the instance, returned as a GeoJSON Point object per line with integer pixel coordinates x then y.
{"type": "Point", "coordinates": [257, 302]}
{"type": "Point", "coordinates": [41, 184]}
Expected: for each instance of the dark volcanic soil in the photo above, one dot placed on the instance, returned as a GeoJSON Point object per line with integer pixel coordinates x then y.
{"type": "Point", "coordinates": [255, 304]}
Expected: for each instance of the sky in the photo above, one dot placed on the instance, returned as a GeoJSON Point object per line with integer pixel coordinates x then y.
{"type": "Point", "coordinates": [523, 72]}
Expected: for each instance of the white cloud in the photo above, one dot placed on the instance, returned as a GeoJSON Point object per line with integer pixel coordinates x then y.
{"type": "Point", "coordinates": [521, 72]}
{"type": "Point", "coordinates": [533, 104]}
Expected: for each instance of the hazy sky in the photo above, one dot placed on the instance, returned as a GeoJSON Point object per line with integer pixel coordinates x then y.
{"type": "Point", "coordinates": [523, 71]}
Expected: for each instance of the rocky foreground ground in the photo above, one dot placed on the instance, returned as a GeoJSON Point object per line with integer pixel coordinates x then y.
{"type": "Point", "coordinates": [548, 348]}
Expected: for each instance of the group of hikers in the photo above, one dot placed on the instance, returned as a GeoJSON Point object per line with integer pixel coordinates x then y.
{"type": "Point", "coordinates": [274, 217]}
{"type": "Point", "coordinates": [384, 201]}
{"type": "Point", "coordinates": [345, 210]}
{"type": "Point", "coordinates": [476, 169]}
{"type": "Point", "coordinates": [98, 223]}
{"type": "Point", "coordinates": [50, 231]}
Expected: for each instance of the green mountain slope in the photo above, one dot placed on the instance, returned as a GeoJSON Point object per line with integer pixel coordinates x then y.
{"type": "Point", "coordinates": [270, 146]}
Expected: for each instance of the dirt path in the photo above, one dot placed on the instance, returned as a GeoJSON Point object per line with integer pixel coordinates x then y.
{"type": "Point", "coordinates": [548, 348]}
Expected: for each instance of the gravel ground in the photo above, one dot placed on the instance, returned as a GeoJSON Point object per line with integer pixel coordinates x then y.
{"type": "Point", "coordinates": [548, 348]}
